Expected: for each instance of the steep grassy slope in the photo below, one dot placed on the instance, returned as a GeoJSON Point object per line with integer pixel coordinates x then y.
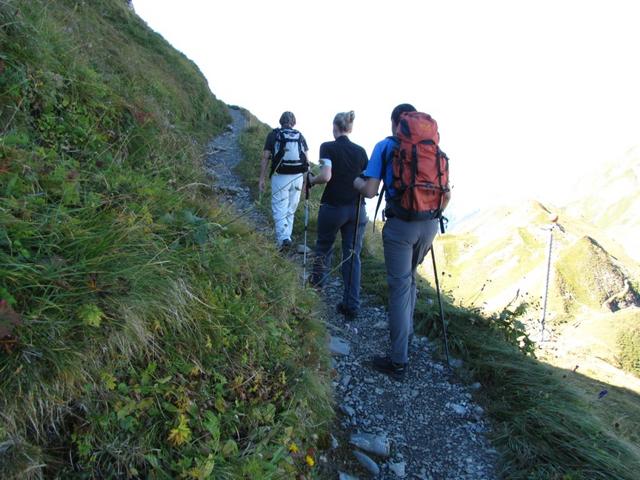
{"type": "Point", "coordinates": [586, 275]}
{"type": "Point", "coordinates": [140, 336]}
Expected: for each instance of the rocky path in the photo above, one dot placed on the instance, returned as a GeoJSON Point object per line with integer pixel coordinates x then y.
{"type": "Point", "coordinates": [426, 427]}
{"type": "Point", "coordinates": [223, 155]}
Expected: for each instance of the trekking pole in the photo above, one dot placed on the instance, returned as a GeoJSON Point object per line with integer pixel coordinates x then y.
{"type": "Point", "coordinates": [554, 219]}
{"type": "Point", "coordinates": [306, 224]}
{"type": "Point", "coordinates": [355, 239]}
{"type": "Point", "coordinates": [444, 326]}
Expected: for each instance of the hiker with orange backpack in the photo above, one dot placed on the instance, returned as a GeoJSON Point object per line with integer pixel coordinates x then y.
{"type": "Point", "coordinates": [415, 175]}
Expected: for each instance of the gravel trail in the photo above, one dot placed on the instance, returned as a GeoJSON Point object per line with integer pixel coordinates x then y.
{"type": "Point", "coordinates": [425, 427]}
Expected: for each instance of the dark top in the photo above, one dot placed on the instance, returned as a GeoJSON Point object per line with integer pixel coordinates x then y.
{"type": "Point", "coordinates": [284, 165]}
{"type": "Point", "coordinates": [348, 160]}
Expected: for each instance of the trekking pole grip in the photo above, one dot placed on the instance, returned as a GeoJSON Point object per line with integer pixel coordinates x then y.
{"type": "Point", "coordinates": [307, 186]}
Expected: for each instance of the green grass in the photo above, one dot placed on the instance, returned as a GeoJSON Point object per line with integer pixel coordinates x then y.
{"type": "Point", "coordinates": [142, 338]}
{"type": "Point", "coordinates": [629, 346]}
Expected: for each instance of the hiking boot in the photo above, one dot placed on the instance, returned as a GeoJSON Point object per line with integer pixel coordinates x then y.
{"type": "Point", "coordinates": [286, 245]}
{"type": "Point", "coordinates": [349, 313]}
{"type": "Point", "coordinates": [389, 367]}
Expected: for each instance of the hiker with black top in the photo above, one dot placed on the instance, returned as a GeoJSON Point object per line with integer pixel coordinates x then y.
{"type": "Point", "coordinates": [287, 149]}
{"type": "Point", "coordinates": [341, 210]}
{"type": "Point", "coordinates": [415, 176]}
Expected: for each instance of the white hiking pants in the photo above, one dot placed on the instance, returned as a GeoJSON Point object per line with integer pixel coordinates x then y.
{"type": "Point", "coordinates": [285, 195]}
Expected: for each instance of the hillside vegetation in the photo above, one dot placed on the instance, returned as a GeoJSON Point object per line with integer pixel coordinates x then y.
{"type": "Point", "coordinates": [586, 275]}
{"type": "Point", "coordinates": [141, 337]}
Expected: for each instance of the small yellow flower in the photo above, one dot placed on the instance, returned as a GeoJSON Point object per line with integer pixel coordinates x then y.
{"type": "Point", "coordinates": [310, 461]}
{"type": "Point", "coordinates": [293, 448]}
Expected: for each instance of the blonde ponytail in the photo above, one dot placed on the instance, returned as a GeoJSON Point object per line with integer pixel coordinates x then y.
{"type": "Point", "coordinates": [344, 121]}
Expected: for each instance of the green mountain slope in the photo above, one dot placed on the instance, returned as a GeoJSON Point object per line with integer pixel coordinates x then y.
{"type": "Point", "coordinates": [501, 254]}
{"type": "Point", "coordinates": [608, 199]}
{"type": "Point", "coordinates": [586, 275]}
{"type": "Point", "coordinates": [140, 336]}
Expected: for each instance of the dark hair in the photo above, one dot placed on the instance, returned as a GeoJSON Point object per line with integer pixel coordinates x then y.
{"type": "Point", "coordinates": [287, 119]}
{"type": "Point", "coordinates": [400, 109]}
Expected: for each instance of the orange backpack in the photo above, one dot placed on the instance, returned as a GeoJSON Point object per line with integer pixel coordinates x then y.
{"type": "Point", "coordinates": [420, 169]}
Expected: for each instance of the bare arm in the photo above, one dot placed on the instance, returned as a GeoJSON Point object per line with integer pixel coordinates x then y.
{"type": "Point", "coordinates": [323, 177]}
{"type": "Point", "coordinates": [445, 200]}
{"type": "Point", "coordinates": [368, 188]}
{"type": "Point", "coordinates": [264, 161]}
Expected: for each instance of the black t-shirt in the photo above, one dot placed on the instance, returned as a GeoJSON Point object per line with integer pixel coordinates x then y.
{"type": "Point", "coordinates": [348, 160]}
{"type": "Point", "coordinates": [284, 166]}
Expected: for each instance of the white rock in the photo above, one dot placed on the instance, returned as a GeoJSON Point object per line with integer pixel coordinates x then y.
{"type": "Point", "coordinates": [398, 469]}
{"type": "Point", "coordinates": [346, 476]}
{"type": "Point", "coordinates": [338, 346]}
{"type": "Point", "coordinates": [380, 325]}
{"type": "Point", "coordinates": [301, 249]}
{"type": "Point", "coordinates": [367, 463]}
{"type": "Point", "coordinates": [376, 444]}
{"type": "Point", "coordinates": [459, 409]}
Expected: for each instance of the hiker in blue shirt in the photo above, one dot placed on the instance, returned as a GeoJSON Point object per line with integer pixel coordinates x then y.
{"type": "Point", "coordinates": [406, 242]}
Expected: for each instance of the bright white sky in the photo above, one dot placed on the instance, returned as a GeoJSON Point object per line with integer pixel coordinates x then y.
{"type": "Point", "coordinates": [527, 94]}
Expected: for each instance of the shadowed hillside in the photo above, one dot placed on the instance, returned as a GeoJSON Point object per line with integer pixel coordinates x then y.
{"type": "Point", "coordinates": [140, 337]}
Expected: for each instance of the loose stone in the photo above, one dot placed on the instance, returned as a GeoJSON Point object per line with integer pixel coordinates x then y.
{"type": "Point", "coordinates": [398, 469]}
{"type": "Point", "coordinates": [376, 444]}
{"type": "Point", "coordinates": [367, 463]}
{"type": "Point", "coordinates": [338, 346]}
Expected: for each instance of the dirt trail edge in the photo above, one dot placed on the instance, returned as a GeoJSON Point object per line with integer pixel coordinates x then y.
{"type": "Point", "coordinates": [426, 427]}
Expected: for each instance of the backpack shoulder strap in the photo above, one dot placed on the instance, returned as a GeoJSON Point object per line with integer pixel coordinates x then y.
{"type": "Point", "coordinates": [278, 150]}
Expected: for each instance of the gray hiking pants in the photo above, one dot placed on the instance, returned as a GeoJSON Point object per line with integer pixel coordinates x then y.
{"type": "Point", "coordinates": [405, 246]}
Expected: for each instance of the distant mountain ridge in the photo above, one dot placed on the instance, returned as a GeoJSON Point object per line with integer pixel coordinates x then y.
{"type": "Point", "coordinates": [609, 198]}
{"type": "Point", "coordinates": [501, 253]}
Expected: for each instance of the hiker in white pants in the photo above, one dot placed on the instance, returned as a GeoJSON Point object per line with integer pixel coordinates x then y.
{"type": "Point", "coordinates": [287, 149]}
